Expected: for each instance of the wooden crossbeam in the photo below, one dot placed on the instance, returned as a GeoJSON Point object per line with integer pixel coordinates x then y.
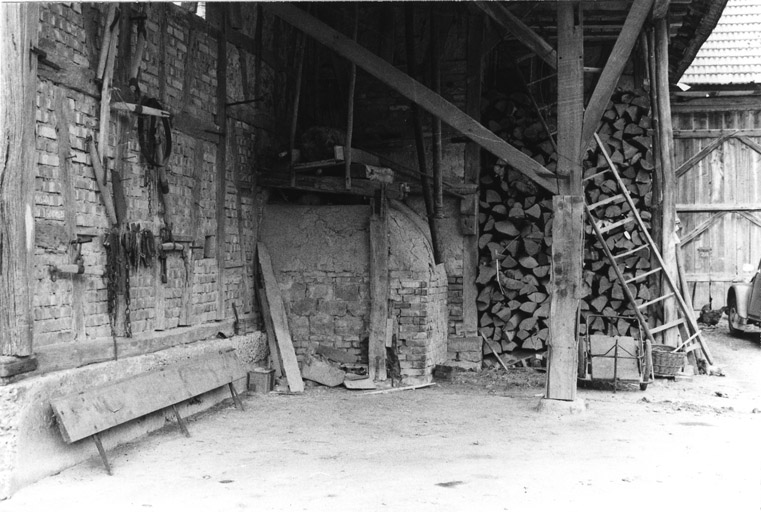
{"type": "Point", "coordinates": [619, 56]}
{"type": "Point", "coordinates": [522, 32]}
{"type": "Point", "coordinates": [689, 237]}
{"type": "Point", "coordinates": [700, 155]}
{"type": "Point", "coordinates": [750, 143]}
{"type": "Point", "coordinates": [414, 91]}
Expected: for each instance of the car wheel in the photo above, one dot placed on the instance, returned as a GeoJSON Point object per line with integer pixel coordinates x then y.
{"type": "Point", "coordinates": [733, 320]}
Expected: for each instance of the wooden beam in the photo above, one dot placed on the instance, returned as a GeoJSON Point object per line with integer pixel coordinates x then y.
{"type": "Point", "coordinates": [570, 76]}
{"type": "Point", "coordinates": [248, 290]}
{"type": "Point", "coordinates": [712, 134]}
{"type": "Point", "coordinates": [668, 183]}
{"type": "Point", "coordinates": [755, 146]}
{"type": "Point", "coordinates": [700, 229]}
{"type": "Point", "coordinates": [700, 155]}
{"type": "Point", "coordinates": [279, 321]}
{"type": "Point", "coordinates": [221, 161]}
{"type": "Point", "coordinates": [63, 117]}
{"type": "Point", "coordinates": [414, 91]}
{"type": "Point", "coordinates": [617, 60]}
{"type": "Point", "coordinates": [567, 261]}
{"type": "Point", "coordinates": [718, 207]}
{"type": "Point", "coordinates": [18, 162]}
{"type": "Point", "coordinates": [522, 32]}
{"type": "Point", "coordinates": [378, 295]}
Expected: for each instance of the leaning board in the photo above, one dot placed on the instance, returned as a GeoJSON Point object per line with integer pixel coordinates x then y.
{"type": "Point", "coordinates": [89, 412]}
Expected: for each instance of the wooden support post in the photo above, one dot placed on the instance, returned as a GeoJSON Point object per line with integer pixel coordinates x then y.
{"type": "Point", "coordinates": [570, 98]}
{"type": "Point", "coordinates": [300, 46]}
{"type": "Point", "coordinates": [236, 398]}
{"type": "Point", "coordinates": [619, 56]}
{"type": "Point", "coordinates": [63, 116]}
{"type": "Point", "coordinates": [102, 452]}
{"type": "Point", "coordinates": [350, 107]}
{"type": "Point", "coordinates": [18, 162]}
{"type": "Point", "coordinates": [567, 250]}
{"type": "Point", "coordinates": [180, 421]}
{"type": "Point", "coordinates": [668, 185]}
{"type": "Point", "coordinates": [221, 161]}
{"type": "Point", "coordinates": [417, 126]}
{"type": "Point", "coordinates": [472, 170]}
{"type": "Point", "coordinates": [275, 359]}
{"type": "Point", "coordinates": [438, 185]}
{"type": "Point", "coordinates": [248, 290]}
{"type": "Point", "coordinates": [414, 91]}
{"type": "Point", "coordinates": [378, 295]}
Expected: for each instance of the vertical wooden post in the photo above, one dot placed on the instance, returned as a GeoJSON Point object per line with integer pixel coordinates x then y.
{"type": "Point", "coordinates": [567, 251]}
{"type": "Point", "coordinates": [221, 162]}
{"type": "Point", "coordinates": [570, 99]}
{"type": "Point", "coordinates": [376, 353]}
{"type": "Point", "coordinates": [472, 155]}
{"type": "Point", "coordinates": [18, 79]}
{"type": "Point", "coordinates": [668, 184]}
{"type": "Point", "coordinates": [247, 289]}
{"type": "Point", "coordinates": [568, 220]}
{"type": "Point", "coordinates": [63, 115]}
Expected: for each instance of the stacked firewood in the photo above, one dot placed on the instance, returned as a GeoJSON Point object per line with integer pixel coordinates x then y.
{"type": "Point", "coordinates": [516, 225]}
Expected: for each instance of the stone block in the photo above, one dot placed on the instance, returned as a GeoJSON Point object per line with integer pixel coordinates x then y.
{"type": "Point", "coordinates": [320, 291]}
{"type": "Point", "coordinates": [347, 292]}
{"type": "Point", "coordinates": [321, 372]}
{"type": "Point", "coordinates": [322, 324]}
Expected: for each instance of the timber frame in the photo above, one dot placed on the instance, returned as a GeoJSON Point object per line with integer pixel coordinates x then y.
{"type": "Point", "coordinates": [559, 43]}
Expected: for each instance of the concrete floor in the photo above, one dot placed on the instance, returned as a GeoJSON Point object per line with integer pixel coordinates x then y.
{"type": "Point", "coordinates": [478, 445]}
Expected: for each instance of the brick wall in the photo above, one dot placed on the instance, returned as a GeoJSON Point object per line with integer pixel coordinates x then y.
{"type": "Point", "coordinates": [179, 69]}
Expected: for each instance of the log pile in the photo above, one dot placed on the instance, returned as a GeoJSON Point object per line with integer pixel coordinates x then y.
{"type": "Point", "coordinates": [516, 224]}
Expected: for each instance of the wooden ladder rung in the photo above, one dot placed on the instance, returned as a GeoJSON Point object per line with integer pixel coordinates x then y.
{"type": "Point", "coordinates": [630, 252]}
{"type": "Point", "coordinates": [611, 199]}
{"type": "Point", "coordinates": [667, 326]}
{"type": "Point", "coordinates": [645, 274]}
{"type": "Point", "coordinates": [615, 225]}
{"type": "Point", "coordinates": [655, 301]}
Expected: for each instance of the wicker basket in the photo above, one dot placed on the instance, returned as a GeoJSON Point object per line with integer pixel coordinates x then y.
{"type": "Point", "coordinates": [665, 362]}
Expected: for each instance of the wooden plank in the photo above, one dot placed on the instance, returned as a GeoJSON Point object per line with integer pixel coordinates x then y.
{"type": "Point", "coordinates": [62, 356]}
{"type": "Point", "coordinates": [334, 184]}
{"type": "Point", "coordinates": [708, 105]}
{"type": "Point", "coordinates": [701, 228]}
{"type": "Point", "coordinates": [610, 75]}
{"type": "Point", "coordinates": [414, 91]}
{"type": "Point", "coordinates": [248, 290]}
{"type": "Point", "coordinates": [718, 207]}
{"type": "Point", "coordinates": [276, 360]}
{"type": "Point", "coordinates": [83, 414]}
{"type": "Point", "coordinates": [18, 34]}
{"type": "Point", "coordinates": [712, 133]}
{"type": "Point", "coordinates": [690, 163]}
{"type": "Point", "coordinates": [63, 115]}
{"type": "Point", "coordinates": [522, 32]}
{"type": "Point", "coordinates": [379, 291]}
{"type": "Point", "coordinates": [221, 162]}
{"type": "Point", "coordinates": [570, 98]}
{"type": "Point", "coordinates": [279, 321]}
{"type": "Point", "coordinates": [568, 241]}
{"type": "Point", "coordinates": [755, 146]}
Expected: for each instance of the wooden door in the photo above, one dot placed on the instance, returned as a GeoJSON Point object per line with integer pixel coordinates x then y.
{"type": "Point", "coordinates": [718, 159]}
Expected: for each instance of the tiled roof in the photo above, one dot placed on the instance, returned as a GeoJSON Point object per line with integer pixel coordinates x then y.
{"type": "Point", "coordinates": [732, 53]}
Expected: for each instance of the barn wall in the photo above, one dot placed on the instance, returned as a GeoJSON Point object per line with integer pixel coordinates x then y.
{"type": "Point", "coordinates": [730, 175]}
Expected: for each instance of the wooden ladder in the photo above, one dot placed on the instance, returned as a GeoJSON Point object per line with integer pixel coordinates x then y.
{"type": "Point", "coordinates": [688, 327]}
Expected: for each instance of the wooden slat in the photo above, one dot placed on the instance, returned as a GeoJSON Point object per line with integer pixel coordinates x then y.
{"type": "Point", "coordinates": [522, 32]}
{"type": "Point", "coordinates": [280, 321]}
{"type": "Point", "coordinates": [414, 91]}
{"type": "Point", "coordinates": [712, 133]}
{"type": "Point", "coordinates": [277, 363]}
{"type": "Point", "coordinates": [755, 146]}
{"type": "Point", "coordinates": [689, 164]}
{"type": "Point", "coordinates": [718, 207]}
{"type": "Point", "coordinates": [618, 58]}
{"type": "Point", "coordinates": [568, 241]}
{"type": "Point", "coordinates": [83, 414]}
{"type": "Point", "coordinates": [684, 240]}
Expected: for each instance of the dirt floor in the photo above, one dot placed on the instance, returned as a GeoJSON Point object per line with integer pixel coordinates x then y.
{"type": "Point", "coordinates": [478, 444]}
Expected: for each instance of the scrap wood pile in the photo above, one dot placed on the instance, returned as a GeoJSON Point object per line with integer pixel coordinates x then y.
{"type": "Point", "coordinates": [515, 223]}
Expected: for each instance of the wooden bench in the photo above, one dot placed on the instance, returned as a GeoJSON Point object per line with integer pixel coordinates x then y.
{"type": "Point", "coordinates": [88, 413]}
